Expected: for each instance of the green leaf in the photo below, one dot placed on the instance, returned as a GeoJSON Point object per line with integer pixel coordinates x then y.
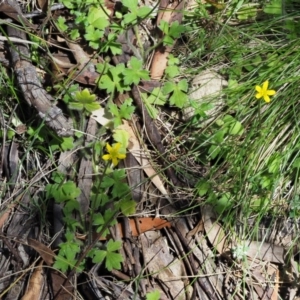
{"type": "Point", "coordinates": [223, 203]}
{"type": "Point", "coordinates": [107, 182]}
{"type": "Point", "coordinates": [131, 4]}
{"type": "Point", "coordinates": [99, 221]}
{"type": "Point", "coordinates": [183, 85]}
{"type": "Point", "coordinates": [127, 109]}
{"type": "Point", "coordinates": [172, 71]}
{"type": "Point", "coordinates": [172, 60]}
{"type": "Point", "coordinates": [168, 41]}
{"type": "Point", "coordinates": [113, 245]}
{"type": "Point", "coordinates": [274, 163]}
{"type": "Point", "coordinates": [76, 106]}
{"type": "Point", "coordinates": [113, 80]}
{"type": "Point", "coordinates": [176, 30]}
{"type": "Point", "coordinates": [135, 72]}
{"type": "Point", "coordinates": [70, 206]}
{"type": "Point", "coordinates": [236, 128]}
{"type": "Point", "coordinates": [67, 144]}
{"type": "Point", "coordinates": [112, 259]}
{"type": "Point", "coordinates": [213, 151]}
{"type": "Point", "coordinates": [144, 11]}
{"type": "Point", "coordinates": [90, 107]}
{"type": "Point", "coordinates": [63, 192]}
{"type": "Point", "coordinates": [274, 7]}
{"type": "Point", "coordinates": [84, 96]}
{"type": "Point", "coordinates": [112, 45]}
{"type": "Point", "coordinates": [202, 187]}
{"type": "Point", "coordinates": [219, 136]}
{"type": "Point", "coordinates": [61, 263]}
{"type": "Point", "coordinates": [164, 27]}
{"type": "Point", "coordinates": [74, 34]}
{"type": "Point", "coordinates": [98, 18]}
{"type": "Point", "coordinates": [69, 93]}
{"type": "Point", "coordinates": [127, 207]}
{"type": "Point", "coordinates": [121, 136]}
{"type": "Point", "coordinates": [61, 24]}
{"type": "Point", "coordinates": [98, 256]}
{"type": "Point", "coordinates": [178, 98]}
{"type": "Point", "coordinates": [155, 98]}
{"type": "Point", "coordinates": [120, 190]}
{"type": "Point", "coordinates": [129, 18]}
{"type": "Point", "coordinates": [155, 295]}
{"type": "Point", "coordinates": [247, 11]}
{"type": "Point", "coordinates": [168, 87]}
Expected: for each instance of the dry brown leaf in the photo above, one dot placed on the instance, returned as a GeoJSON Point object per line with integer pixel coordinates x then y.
{"type": "Point", "coordinates": [43, 5]}
{"type": "Point", "coordinates": [58, 279]}
{"type": "Point", "coordinates": [162, 265]}
{"type": "Point", "coordinates": [46, 253]}
{"type": "Point", "coordinates": [265, 251]}
{"type": "Point", "coordinates": [142, 158]}
{"type": "Point", "coordinates": [66, 292]}
{"type": "Point", "coordinates": [198, 228]}
{"type": "Point", "coordinates": [169, 11]}
{"type": "Point", "coordinates": [35, 284]}
{"type": "Point", "coordinates": [214, 231]}
{"type": "Point", "coordinates": [144, 224]}
{"type": "Point", "coordinates": [12, 10]}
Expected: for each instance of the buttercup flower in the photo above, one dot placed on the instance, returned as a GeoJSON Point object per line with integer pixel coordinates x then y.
{"type": "Point", "coordinates": [263, 92]}
{"type": "Point", "coordinates": [113, 153]}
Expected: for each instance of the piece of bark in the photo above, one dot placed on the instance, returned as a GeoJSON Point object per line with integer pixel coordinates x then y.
{"type": "Point", "coordinates": [86, 170]}
{"type": "Point", "coordinates": [31, 87]}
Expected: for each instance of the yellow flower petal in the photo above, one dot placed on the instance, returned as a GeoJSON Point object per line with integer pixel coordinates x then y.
{"type": "Point", "coordinates": [271, 92]}
{"type": "Point", "coordinates": [108, 147]}
{"type": "Point", "coordinates": [115, 161]}
{"type": "Point", "coordinates": [113, 153]}
{"type": "Point", "coordinates": [265, 85]}
{"type": "Point", "coordinates": [121, 156]}
{"type": "Point", "coordinates": [263, 91]}
{"type": "Point", "coordinates": [258, 88]}
{"type": "Point", "coordinates": [106, 157]}
{"type": "Point", "coordinates": [117, 147]}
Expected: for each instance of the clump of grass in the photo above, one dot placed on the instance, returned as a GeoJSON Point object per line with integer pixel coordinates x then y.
{"type": "Point", "coordinates": [256, 170]}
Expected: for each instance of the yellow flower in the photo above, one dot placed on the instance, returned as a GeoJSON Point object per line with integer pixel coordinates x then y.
{"type": "Point", "coordinates": [264, 92]}
{"type": "Point", "coordinates": [113, 153]}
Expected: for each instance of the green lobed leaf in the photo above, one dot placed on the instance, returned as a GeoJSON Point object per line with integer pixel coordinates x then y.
{"type": "Point", "coordinates": [121, 136]}
{"type": "Point", "coordinates": [67, 144]}
{"type": "Point", "coordinates": [76, 106]}
{"type": "Point", "coordinates": [113, 245]}
{"type": "Point", "coordinates": [90, 107]}
{"type": "Point", "coordinates": [84, 96]}
{"type": "Point", "coordinates": [176, 30]}
{"type": "Point", "coordinates": [98, 256]}
{"type": "Point", "coordinates": [127, 206]}
{"type": "Point", "coordinates": [144, 11]}
{"type": "Point", "coordinates": [168, 87]}
{"type": "Point", "coordinates": [98, 18]}
{"type": "Point", "coordinates": [178, 98]}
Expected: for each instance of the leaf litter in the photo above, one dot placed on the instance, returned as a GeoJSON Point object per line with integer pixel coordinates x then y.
{"type": "Point", "coordinates": [175, 260]}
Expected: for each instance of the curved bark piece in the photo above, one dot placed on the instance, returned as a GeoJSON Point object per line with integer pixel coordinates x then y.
{"type": "Point", "coordinates": [31, 87]}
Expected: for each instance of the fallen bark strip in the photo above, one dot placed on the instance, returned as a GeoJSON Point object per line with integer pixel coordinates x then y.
{"type": "Point", "coordinates": [31, 87]}
{"type": "Point", "coordinates": [154, 135]}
